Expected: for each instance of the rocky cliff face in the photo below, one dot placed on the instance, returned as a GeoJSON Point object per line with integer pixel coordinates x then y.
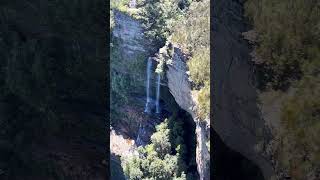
{"type": "Point", "coordinates": [237, 118]}
{"type": "Point", "coordinates": [130, 32]}
{"type": "Point", "coordinates": [180, 88]}
{"type": "Point", "coordinates": [132, 51]}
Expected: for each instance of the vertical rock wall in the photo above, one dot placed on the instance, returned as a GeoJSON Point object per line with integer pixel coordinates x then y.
{"type": "Point", "coordinates": [237, 118]}
{"type": "Point", "coordinates": [180, 88]}
{"type": "Point", "coordinates": [130, 33]}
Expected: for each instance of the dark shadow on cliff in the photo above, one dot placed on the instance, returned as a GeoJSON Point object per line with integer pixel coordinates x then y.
{"type": "Point", "coordinates": [52, 90]}
{"type": "Point", "coordinates": [237, 117]}
{"type": "Point", "coordinates": [230, 165]}
{"type": "Point", "coordinates": [116, 169]}
{"type": "Point", "coordinates": [189, 141]}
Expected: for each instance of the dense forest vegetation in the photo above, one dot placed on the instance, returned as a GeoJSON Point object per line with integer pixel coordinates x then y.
{"type": "Point", "coordinates": [53, 69]}
{"type": "Point", "coordinates": [288, 45]}
{"type": "Point", "coordinates": [166, 157]}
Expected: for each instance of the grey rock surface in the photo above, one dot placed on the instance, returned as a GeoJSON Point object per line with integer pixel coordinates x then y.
{"type": "Point", "coordinates": [237, 118]}
{"type": "Point", "coordinates": [130, 33]}
{"type": "Point", "coordinates": [180, 88]}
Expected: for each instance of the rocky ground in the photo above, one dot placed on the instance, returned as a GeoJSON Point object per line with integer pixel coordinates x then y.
{"type": "Point", "coordinates": [121, 146]}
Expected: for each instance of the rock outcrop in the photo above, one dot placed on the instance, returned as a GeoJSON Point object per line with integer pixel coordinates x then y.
{"type": "Point", "coordinates": [180, 87]}
{"type": "Point", "coordinates": [131, 51]}
{"type": "Point", "coordinates": [237, 118]}
{"type": "Point", "coordinates": [130, 32]}
{"type": "Point", "coordinates": [121, 146]}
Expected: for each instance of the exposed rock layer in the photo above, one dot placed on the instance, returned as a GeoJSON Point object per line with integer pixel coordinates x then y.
{"type": "Point", "coordinates": [130, 32]}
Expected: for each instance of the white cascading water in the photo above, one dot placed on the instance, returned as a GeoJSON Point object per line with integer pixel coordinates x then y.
{"type": "Point", "coordinates": [158, 94]}
{"type": "Point", "coordinates": [146, 109]}
{"type": "Point", "coordinates": [141, 134]}
{"type": "Point", "coordinates": [138, 140]}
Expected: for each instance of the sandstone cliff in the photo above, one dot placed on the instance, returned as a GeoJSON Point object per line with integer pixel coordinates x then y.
{"type": "Point", "coordinates": [180, 87]}
{"type": "Point", "coordinates": [130, 32]}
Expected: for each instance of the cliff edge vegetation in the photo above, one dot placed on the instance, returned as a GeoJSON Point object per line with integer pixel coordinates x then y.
{"type": "Point", "coordinates": [287, 48]}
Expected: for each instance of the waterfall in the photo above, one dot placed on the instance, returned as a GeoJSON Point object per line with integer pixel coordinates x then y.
{"type": "Point", "coordinates": [138, 140]}
{"type": "Point", "coordinates": [158, 94]}
{"type": "Point", "coordinates": [141, 133]}
{"type": "Point", "coordinates": [148, 84]}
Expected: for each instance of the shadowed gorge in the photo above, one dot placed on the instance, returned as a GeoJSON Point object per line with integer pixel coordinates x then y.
{"type": "Point", "coordinates": [236, 114]}
{"type": "Point", "coordinates": [229, 164]}
{"type": "Point", "coordinates": [52, 90]}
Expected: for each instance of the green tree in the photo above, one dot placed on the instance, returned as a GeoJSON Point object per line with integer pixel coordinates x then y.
{"type": "Point", "coordinates": [288, 45]}
{"type": "Point", "coordinates": [155, 161]}
{"type": "Point", "coordinates": [158, 17]}
{"type": "Point", "coordinates": [299, 148]}
{"type": "Point", "coordinates": [160, 140]}
{"type": "Point", "coordinates": [192, 34]}
{"type": "Point", "coordinates": [288, 37]}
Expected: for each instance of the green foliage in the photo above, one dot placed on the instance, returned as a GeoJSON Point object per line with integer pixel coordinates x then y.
{"type": "Point", "coordinates": [204, 101]}
{"type": "Point", "coordinates": [159, 17]}
{"type": "Point", "coordinates": [288, 36]}
{"type": "Point", "coordinates": [299, 151]}
{"type": "Point", "coordinates": [160, 67]}
{"type": "Point", "coordinates": [163, 57]}
{"type": "Point", "coordinates": [288, 43]}
{"type": "Point", "coordinates": [199, 67]}
{"type": "Point", "coordinates": [121, 5]}
{"type": "Point", "coordinates": [160, 140]}
{"type": "Point", "coordinates": [192, 34]}
{"type": "Point", "coordinates": [178, 144]}
{"type": "Point", "coordinates": [132, 168]}
{"type": "Point", "coordinates": [156, 161]}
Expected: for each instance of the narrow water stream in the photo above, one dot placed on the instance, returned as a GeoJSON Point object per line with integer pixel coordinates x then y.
{"type": "Point", "coordinates": [149, 65]}
{"type": "Point", "coordinates": [158, 94]}
{"type": "Point", "coordinates": [164, 106]}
